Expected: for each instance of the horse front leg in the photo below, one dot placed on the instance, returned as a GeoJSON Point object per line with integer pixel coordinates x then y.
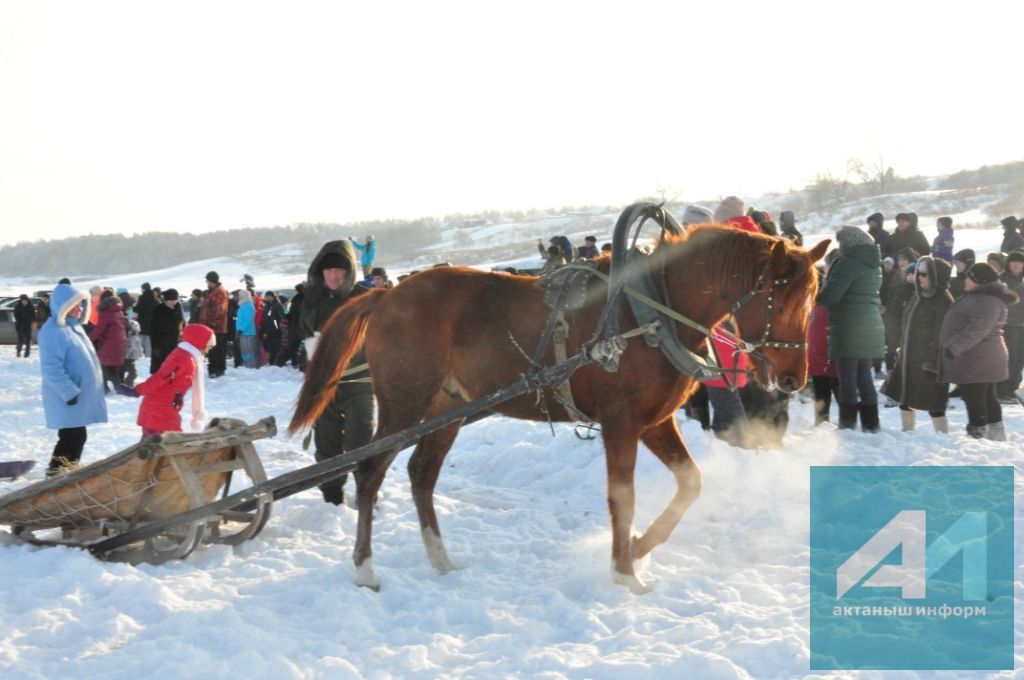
{"type": "Point", "coordinates": [666, 443]}
{"type": "Point", "coordinates": [424, 469]}
{"type": "Point", "coordinates": [369, 477]}
{"type": "Point", "coordinates": [620, 458]}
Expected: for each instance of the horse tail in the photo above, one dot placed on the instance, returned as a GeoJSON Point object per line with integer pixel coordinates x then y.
{"type": "Point", "coordinates": [340, 339]}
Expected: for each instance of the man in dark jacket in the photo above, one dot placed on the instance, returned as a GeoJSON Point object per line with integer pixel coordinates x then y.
{"type": "Point", "coordinates": [877, 230]}
{"type": "Point", "coordinates": [24, 317]}
{"type": "Point", "coordinates": [1012, 239]}
{"type": "Point", "coordinates": [148, 301]}
{"type": "Point", "coordinates": [165, 329]}
{"type": "Point", "coordinates": [347, 423]}
{"type": "Point", "coordinates": [962, 261]}
{"type": "Point", "coordinates": [787, 223]}
{"type": "Point", "coordinates": [907, 235]}
{"type": "Point", "coordinates": [293, 340]}
{"type": "Point", "coordinates": [1013, 332]}
{"type": "Point", "coordinates": [271, 326]}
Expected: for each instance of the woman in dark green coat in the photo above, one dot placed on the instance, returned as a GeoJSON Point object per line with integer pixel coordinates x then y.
{"type": "Point", "coordinates": [856, 335]}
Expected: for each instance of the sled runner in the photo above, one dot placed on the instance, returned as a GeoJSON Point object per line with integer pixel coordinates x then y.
{"type": "Point", "coordinates": [12, 469]}
{"type": "Point", "coordinates": [159, 478]}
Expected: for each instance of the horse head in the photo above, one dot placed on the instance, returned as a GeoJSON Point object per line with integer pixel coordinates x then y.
{"type": "Point", "coordinates": [766, 284]}
{"type": "Point", "coordinates": [772, 316]}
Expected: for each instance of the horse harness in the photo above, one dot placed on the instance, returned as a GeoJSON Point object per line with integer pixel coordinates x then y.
{"type": "Point", "coordinates": [631, 277]}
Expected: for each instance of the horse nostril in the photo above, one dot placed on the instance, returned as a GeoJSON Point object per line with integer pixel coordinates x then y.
{"type": "Point", "coordinates": [789, 383]}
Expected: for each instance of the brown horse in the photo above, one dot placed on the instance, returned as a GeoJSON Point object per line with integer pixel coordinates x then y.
{"type": "Point", "coordinates": [442, 337]}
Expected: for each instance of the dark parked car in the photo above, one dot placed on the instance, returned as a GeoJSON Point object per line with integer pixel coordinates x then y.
{"type": "Point", "coordinates": [8, 336]}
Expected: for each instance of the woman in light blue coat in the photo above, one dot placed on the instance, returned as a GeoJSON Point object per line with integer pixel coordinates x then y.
{"type": "Point", "coordinates": [245, 325]}
{"type": "Point", "coordinates": [72, 378]}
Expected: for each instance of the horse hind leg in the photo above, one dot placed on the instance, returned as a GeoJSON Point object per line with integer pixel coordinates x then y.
{"type": "Point", "coordinates": [424, 470]}
{"type": "Point", "coordinates": [394, 417]}
{"type": "Point", "coordinates": [665, 442]}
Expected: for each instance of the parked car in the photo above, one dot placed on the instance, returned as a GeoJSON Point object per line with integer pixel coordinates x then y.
{"type": "Point", "coordinates": [9, 336]}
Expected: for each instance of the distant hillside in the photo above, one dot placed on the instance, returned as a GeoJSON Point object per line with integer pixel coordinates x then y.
{"type": "Point", "coordinates": [974, 198]}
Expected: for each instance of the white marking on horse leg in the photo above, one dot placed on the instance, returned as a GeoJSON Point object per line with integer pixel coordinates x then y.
{"type": "Point", "coordinates": [365, 576]}
{"type": "Point", "coordinates": [436, 552]}
{"type": "Point", "coordinates": [636, 586]}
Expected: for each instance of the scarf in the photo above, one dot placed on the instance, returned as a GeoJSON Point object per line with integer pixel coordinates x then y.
{"type": "Point", "coordinates": [198, 385]}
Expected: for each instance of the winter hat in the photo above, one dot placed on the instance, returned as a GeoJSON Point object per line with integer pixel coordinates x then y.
{"type": "Point", "coordinates": [122, 291]}
{"type": "Point", "coordinates": [333, 261]}
{"type": "Point", "coordinates": [787, 220]}
{"type": "Point", "coordinates": [849, 237]}
{"type": "Point", "coordinates": [911, 268]}
{"type": "Point", "coordinates": [145, 286]}
{"type": "Point", "coordinates": [213, 277]}
{"type": "Point", "coordinates": [982, 273]}
{"type": "Point", "coordinates": [196, 338]}
{"type": "Point", "coordinates": [592, 239]}
{"type": "Point", "coordinates": [876, 217]}
{"type": "Point", "coordinates": [1015, 256]}
{"type": "Point", "coordinates": [696, 214]}
{"type": "Point", "coordinates": [731, 206]}
{"type": "Point", "coordinates": [888, 258]}
{"type": "Point", "coordinates": [1009, 222]}
{"type": "Point", "coordinates": [966, 255]}
{"type": "Point", "coordinates": [197, 292]}
{"type": "Point", "coordinates": [912, 218]}
{"type": "Point", "coordinates": [996, 256]}
{"type": "Point", "coordinates": [379, 271]}
{"type": "Point", "coordinates": [945, 222]}
{"type": "Point", "coordinates": [758, 216]}
{"type": "Point", "coordinates": [170, 294]}
{"type": "Point", "coordinates": [902, 217]}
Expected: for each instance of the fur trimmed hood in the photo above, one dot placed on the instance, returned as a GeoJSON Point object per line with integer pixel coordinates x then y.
{"type": "Point", "coordinates": [63, 298]}
{"type": "Point", "coordinates": [998, 290]}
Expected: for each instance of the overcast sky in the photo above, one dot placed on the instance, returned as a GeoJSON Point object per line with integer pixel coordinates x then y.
{"type": "Point", "coordinates": [191, 116]}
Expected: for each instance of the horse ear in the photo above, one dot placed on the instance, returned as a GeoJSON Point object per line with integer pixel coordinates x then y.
{"type": "Point", "coordinates": [782, 264]}
{"type": "Point", "coordinates": [818, 251]}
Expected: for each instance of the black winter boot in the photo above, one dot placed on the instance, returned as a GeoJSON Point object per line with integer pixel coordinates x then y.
{"type": "Point", "coordinates": [847, 416]}
{"type": "Point", "coordinates": [869, 418]}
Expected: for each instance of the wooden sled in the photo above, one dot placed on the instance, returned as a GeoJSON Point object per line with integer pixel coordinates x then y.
{"type": "Point", "coordinates": [156, 479]}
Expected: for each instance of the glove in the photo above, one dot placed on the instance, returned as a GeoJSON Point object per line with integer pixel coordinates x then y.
{"type": "Point", "coordinates": [948, 354]}
{"type": "Point", "coordinates": [126, 391]}
{"type": "Point", "coordinates": [73, 400]}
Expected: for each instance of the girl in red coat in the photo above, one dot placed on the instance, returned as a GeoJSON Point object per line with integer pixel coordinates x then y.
{"type": "Point", "coordinates": [163, 393]}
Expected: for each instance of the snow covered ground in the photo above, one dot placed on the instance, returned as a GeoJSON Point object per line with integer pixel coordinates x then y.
{"type": "Point", "coordinates": [523, 514]}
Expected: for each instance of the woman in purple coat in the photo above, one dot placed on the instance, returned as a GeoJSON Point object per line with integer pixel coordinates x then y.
{"type": "Point", "coordinates": [110, 336]}
{"type": "Point", "coordinates": [974, 355]}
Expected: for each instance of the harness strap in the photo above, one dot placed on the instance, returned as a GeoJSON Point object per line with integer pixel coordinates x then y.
{"type": "Point", "coordinates": [564, 389]}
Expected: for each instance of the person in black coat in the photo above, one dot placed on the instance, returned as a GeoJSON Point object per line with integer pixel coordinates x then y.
{"type": "Point", "coordinates": [24, 318]}
{"type": "Point", "coordinates": [165, 327]}
{"type": "Point", "coordinates": [148, 301]}
{"type": "Point", "coordinates": [907, 235]}
{"type": "Point", "coordinates": [293, 343]}
{"type": "Point", "coordinates": [962, 260]}
{"type": "Point", "coordinates": [787, 224]}
{"type": "Point", "coordinates": [1012, 239]}
{"type": "Point", "coordinates": [876, 228]}
{"type": "Point", "coordinates": [270, 327]}
{"type": "Point", "coordinates": [914, 383]}
{"type": "Point", "coordinates": [899, 290]}
{"type": "Point", "coordinates": [1013, 332]}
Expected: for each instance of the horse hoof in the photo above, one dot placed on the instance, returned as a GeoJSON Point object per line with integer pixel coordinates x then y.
{"type": "Point", "coordinates": [636, 586]}
{"type": "Point", "coordinates": [365, 578]}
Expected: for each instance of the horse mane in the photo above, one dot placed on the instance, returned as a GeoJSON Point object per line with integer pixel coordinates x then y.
{"type": "Point", "coordinates": [739, 256]}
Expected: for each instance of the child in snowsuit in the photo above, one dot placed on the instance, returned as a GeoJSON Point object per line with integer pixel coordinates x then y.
{"type": "Point", "coordinates": [163, 393]}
